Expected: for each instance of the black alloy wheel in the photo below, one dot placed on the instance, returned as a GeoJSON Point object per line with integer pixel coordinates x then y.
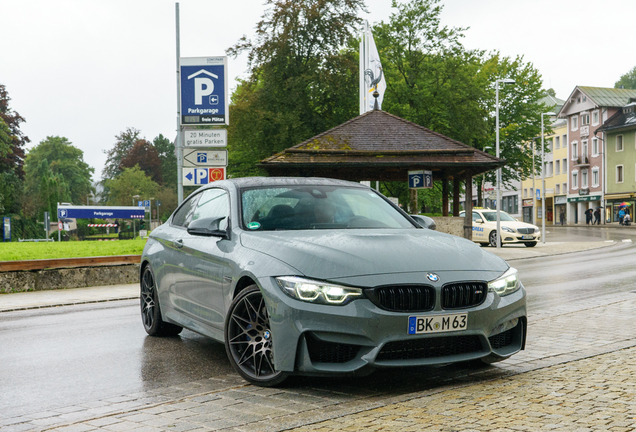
{"type": "Point", "coordinates": [150, 311]}
{"type": "Point", "coordinates": [248, 339]}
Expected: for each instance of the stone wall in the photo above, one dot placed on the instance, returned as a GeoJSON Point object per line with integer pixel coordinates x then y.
{"type": "Point", "coordinates": [36, 280]}
{"type": "Point", "coordinates": [450, 225]}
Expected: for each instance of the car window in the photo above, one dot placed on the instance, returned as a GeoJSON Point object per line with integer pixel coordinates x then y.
{"type": "Point", "coordinates": [183, 215]}
{"type": "Point", "coordinates": [491, 216]}
{"type": "Point", "coordinates": [318, 207]}
{"type": "Point", "coordinates": [476, 216]}
{"type": "Point", "coordinates": [214, 203]}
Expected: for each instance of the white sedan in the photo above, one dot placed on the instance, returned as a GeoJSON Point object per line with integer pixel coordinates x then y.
{"type": "Point", "coordinates": [512, 231]}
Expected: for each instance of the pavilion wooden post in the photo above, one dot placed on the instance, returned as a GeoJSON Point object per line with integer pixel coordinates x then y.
{"type": "Point", "coordinates": [413, 201]}
{"type": "Point", "coordinates": [456, 183]}
{"type": "Point", "coordinates": [468, 208]}
{"type": "Point", "coordinates": [445, 196]}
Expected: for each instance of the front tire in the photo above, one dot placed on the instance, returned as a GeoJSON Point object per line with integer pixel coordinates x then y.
{"type": "Point", "coordinates": [248, 339]}
{"type": "Point", "coordinates": [492, 238]}
{"type": "Point", "coordinates": [150, 310]}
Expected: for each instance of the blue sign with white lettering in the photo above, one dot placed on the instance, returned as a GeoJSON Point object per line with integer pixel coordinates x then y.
{"type": "Point", "coordinates": [538, 194]}
{"type": "Point", "coordinates": [100, 212]}
{"type": "Point", "coordinates": [420, 179]}
{"type": "Point", "coordinates": [204, 96]}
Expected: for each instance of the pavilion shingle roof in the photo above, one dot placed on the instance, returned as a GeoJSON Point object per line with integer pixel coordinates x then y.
{"type": "Point", "coordinates": [379, 140]}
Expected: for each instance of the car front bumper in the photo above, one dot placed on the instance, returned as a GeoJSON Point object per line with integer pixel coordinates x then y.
{"type": "Point", "coordinates": [360, 336]}
{"type": "Point", "coordinates": [508, 237]}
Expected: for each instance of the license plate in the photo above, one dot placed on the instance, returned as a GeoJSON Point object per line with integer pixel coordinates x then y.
{"type": "Point", "coordinates": [437, 324]}
{"type": "Point", "coordinates": [527, 237]}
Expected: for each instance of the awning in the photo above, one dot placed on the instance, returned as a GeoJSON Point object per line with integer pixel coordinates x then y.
{"type": "Point", "coordinates": [619, 196]}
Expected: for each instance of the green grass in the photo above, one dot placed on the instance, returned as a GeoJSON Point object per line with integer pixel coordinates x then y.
{"type": "Point", "coordinates": [12, 251]}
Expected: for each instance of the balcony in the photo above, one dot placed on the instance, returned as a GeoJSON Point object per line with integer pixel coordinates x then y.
{"type": "Point", "coordinates": [582, 162]}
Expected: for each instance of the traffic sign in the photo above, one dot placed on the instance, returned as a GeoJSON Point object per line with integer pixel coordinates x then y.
{"type": "Point", "coordinates": [204, 90]}
{"type": "Point", "coordinates": [205, 138]}
{"type": "Point", "coordinates": [422, 179]}
{"type": "Point", "coordinates": [203, 158]}
{"type": "Point", "coordinates": [202, 176]}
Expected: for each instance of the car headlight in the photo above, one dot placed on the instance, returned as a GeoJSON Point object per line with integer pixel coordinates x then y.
{"type": "Point", "coordinates": [506, 284]}
{"type": "Point", "coordinates": [313, 291]}
{"type": "Point", "coordinates": [510, 230]}
{"type": "Point", "coordinates": [537, 230]}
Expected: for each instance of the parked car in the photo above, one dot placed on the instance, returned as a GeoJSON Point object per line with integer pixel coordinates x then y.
{"type": "Point", "coordinates": [512, 230]}
{"type": "Point", "coordinates": [424, 221]}
{"type": "Point", "coordinates": [320, 276]}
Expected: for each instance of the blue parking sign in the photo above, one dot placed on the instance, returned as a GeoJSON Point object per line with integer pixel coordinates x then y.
{"type": "Point", "coordinates": [204, 90]}
{"type": "Point", "coordinates": [420, 179]}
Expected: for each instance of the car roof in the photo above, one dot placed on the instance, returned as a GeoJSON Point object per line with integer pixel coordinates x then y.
{"type": "Point", "coordinates": [246, 182]}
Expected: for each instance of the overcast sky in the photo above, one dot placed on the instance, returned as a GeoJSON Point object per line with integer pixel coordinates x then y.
{"type": "Point", "coordinates": [87, 70]}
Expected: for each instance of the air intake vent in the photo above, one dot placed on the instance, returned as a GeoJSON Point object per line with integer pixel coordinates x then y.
{"type": "Point", "coordinates": [403, 298]}
{"type": "Point", "coordinates": [430, 348]}
{"type": "Point", "coordinates": [463, 295]}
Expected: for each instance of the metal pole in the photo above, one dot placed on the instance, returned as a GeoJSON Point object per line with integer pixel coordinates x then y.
{"type": "Point", "coordinates": [59, 234]}
{"type": "Point", "coordinates": [542, 185]}
{"type": "Point", "coordinates": [498, 206]}
{"type": "Point", "coordinates": [179, 132]}
{"type": "Point", "coordinates": [534, 187]}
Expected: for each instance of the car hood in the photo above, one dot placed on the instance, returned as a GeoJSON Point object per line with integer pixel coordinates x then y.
{"type": "Point", "coordinates": [347, 253]}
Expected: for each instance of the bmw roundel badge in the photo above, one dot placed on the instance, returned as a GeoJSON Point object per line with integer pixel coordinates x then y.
{"type": "Point", "coordinates": [432, 277]}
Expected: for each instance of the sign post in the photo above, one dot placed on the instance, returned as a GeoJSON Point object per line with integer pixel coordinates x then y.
{"type": "Point", "coordinates": [6, 229]}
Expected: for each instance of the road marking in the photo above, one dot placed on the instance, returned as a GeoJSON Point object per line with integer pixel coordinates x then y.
{"type": "Point", "coordinates": [627, 240]}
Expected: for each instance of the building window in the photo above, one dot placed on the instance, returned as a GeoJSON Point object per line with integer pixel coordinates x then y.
{"type": "Point", "coordinates": [557, 189]}
{"type": "Point", "coordinates": [550, 145]}
{"type": "Point", "coordinates": [619, 173]}
{"type": "Point", "coordinates": [565, 187]}
{"type": "Point", "coordinates": [594, 146]}
{"type": "Point", "coordinates": [584, 148]}
{"type": "Point", "coordinates": [558, 167]}
{"type": "Point", "coordinates": [575, 123]}
{"type": "Point", "coordinates": [619, 143]}
{"type": "Point", "coordinates": [585, 119]}
{"type": "Point", "coordinates": [557, 142]}
{"type": "Point", "coordinates": [594, 118]}
{"type": "Point", "coordinates": [595, 177]}
{"type": "Point", "coordinates": [525, 193]}
{"type": "Point", "coordinates": [584, 178]}
{"type": "Point", "coordinates": [575, 150]}
{"type": "Point", "coordinates": [531, 193]}
{"type": "Point", "coordinates": [550, 169]}
{"type": "Point", "coordinates": [575, 179]}
{"type": "Point", "coordinates": [510, 204]}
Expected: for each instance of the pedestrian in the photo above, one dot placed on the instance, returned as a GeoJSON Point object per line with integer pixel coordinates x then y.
{"type": "Point", "coordinates": [621, 216]}
{"type": "Point", "coordinates": [588, 216]}
{"type": "Point", "coordinates": [562, 217]}
{"type": "Point", "coordinates": [597, 216]}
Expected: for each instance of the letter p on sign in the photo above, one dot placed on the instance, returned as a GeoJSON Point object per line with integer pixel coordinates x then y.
{"type": "Point", "coordinates": [202, 87]}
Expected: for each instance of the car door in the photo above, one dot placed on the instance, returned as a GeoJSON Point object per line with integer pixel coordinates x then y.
{"type": "Point", "coordinates": [478, 228]}
{"type": "Point", "coordinates": [202, 267]}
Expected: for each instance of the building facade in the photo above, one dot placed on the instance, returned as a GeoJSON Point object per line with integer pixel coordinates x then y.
{"type": "Point", "coordinates": [619, 132]}
{"type": "Point", "coordinates": [585, 111]}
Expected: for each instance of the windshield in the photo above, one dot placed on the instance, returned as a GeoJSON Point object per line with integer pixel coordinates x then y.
{"type": "Point", "coordinates": [317, 207]}
{"type": "Point", "coordinates": [503, 216]}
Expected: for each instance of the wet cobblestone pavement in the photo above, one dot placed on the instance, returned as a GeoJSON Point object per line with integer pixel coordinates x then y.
{"type": "Point", "coordinates": [576, 374]}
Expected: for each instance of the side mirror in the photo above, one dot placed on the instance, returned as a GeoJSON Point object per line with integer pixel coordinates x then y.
{"type": "Point", "coordinates": [209, 227]}
{"type": "Point", "coordinates": [479, 221]}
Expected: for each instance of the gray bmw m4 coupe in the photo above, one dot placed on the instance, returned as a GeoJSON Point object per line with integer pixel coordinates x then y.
{"type": "Point", "coordinates": [319, 276]}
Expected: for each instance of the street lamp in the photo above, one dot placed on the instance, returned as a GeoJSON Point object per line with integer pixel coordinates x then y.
{"type": "Point", "coordinates": [503, 81]}
{"type": "Point", "coordinates": [550, 113]}
{"type": "Point", "coordinates": [133, 203]}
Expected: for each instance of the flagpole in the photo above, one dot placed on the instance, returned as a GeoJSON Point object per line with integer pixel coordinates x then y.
{"type": "Point", "coordinates": [362, 62]}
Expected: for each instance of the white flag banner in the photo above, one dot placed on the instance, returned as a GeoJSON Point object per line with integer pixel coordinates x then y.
{"type": "Point", "coordinates": [371, 73]}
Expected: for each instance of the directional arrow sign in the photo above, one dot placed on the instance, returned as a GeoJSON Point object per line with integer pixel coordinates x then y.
{"type": "Point", "coordinates": [204, 158]}
{"type": "Point", "coordinates": [202, 176]}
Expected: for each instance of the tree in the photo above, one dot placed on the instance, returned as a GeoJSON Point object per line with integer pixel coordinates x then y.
{"type": "Point", "coordinates": [130, 182]}
{"type": "Point", "coordinates": [303, 78]}
{"type": "Point", "coordinates": [64, 166]}
{"type": "Point", "coordinates": [123, 144]}
{"type": "Point", "coordinates": [627, 81]}
{"type": "Point", "coordinates": [144, 155]}
{"type": "Point", "coordinates": [435, 82]}
{"type": "Point", "coordinates": [11, 136]}
{"type": "Point", "coordinates": [165, 150]}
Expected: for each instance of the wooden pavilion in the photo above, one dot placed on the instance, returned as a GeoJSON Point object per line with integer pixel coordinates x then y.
{"type": "Point", "coordinates": [380, 146]}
